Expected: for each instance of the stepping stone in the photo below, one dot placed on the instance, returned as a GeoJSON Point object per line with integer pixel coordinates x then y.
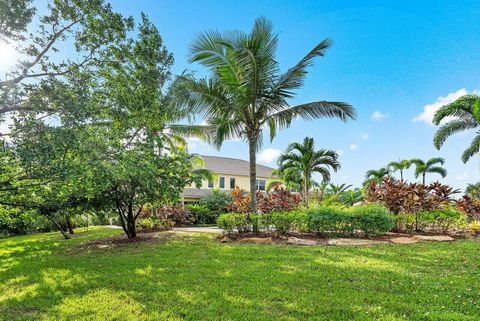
{"type": "Point", "coordinates": [257, 240]}
{"type": "Point", "coordinates": [354, 242]}
{"type": "Point", "coordinates": [404, 240]}
{"type": "Point", "coordinates": [297, 241]}
{"type": "Point", "coordinates": [438, 238]}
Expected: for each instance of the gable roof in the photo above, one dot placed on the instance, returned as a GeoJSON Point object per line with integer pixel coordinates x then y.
{"type": "Point", "coordinates": [233, 166]}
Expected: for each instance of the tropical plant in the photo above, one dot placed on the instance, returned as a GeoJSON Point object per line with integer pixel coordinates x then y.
{"type": "Point", "coordinates": [461, 115]}
{"type": "Point", "coordinates": [422, 167]}
{"type": "Point", "coordinates": [303, 159]}
{"type": "Point", "coordinates": [401, 165]}
{"type": "Point", "coordinates": [473, 190]}
{"type": "Point", "coordinates": [247, 92]}
{"type": "Point", "coordinates": [376, 175]}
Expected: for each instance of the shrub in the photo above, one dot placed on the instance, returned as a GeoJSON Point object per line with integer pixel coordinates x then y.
{"type": "Point", "coordinates": [474, 226]}
{"type": "Point", "coordinates": [442, 219]}
{"type": "Point", "coordinates": [216, 201]}
{"type": "Point", "coordinates": [277, 200]}
{"type": "Point", "coordinates": [234, 221]}
{"type": "Point", "coordinates": [203, 214]}
{"type": "Point", "coordinates": [283, 222]}
{"type": "Point", "coordinates": [402, 197]}
{"type": "Point", "coordinates": [179, 214]}
{"type": "Point", "coordinates": [151, 224]}
{"type": "Point", "coordinates": [372, 219]}
{"type": "Point", "coordinates": [469, 206]}
{"type": "Point", "coordinates": [16, 221]}
{"type": "Point", "coordinates": [325, 219]}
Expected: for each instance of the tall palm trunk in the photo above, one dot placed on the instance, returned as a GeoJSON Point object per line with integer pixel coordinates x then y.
{"type": "Point", "coordinates": [252, 150]}
{"type": "Point", "coordinates": [401, 174]}
{"type": "Point", "coordinates": [423, 178]}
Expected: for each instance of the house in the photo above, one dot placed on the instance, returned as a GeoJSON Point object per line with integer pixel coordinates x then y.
{"type": "Point", "coordinates": [230, 172]}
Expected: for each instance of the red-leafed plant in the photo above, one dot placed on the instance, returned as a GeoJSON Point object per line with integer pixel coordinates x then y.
{"type": "Point", "coordinates": [278, 200]}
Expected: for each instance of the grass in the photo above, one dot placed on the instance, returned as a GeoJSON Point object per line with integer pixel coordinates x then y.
{"type": "Point", "coordinates": [193, 277]}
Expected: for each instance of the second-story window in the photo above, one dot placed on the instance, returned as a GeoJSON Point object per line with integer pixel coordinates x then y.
{"type": "Point", "coordinates": [221, 182]}
{"type": "Point", "coordinates": [260, 184]}
{"type": "Point", "coordinates": [210, 184]}
{"type": "Point", "coordinates": [232, 182]}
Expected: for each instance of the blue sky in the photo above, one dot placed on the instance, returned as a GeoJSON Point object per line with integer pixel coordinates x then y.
{"type": "Point", "coordinates": [394, 61]}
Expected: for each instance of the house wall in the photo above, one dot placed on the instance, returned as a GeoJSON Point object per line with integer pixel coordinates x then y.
{"type": "Point", "coordinates": [241, 181]}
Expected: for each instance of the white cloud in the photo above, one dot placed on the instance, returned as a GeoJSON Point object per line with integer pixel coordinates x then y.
{"type": "Point", "coordinates": [269, 155]}
{"type": "Point", "coordinates": [354, 147]}
{"type": "Point", "coordinates": [429, 110]}
{"type": "Point", "coordinates": [462, 177]}
{"type": "Point", "coordinates": [365, 136]}
{"type": "Point", "coordinates": [378, 116]}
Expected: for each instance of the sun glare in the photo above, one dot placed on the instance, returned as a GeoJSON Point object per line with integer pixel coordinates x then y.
{"type": "Point", "coordinates": [8, 56]}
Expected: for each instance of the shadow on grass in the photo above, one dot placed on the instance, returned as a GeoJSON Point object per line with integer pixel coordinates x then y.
{"type": "Point", "coordinates": [194, 277]}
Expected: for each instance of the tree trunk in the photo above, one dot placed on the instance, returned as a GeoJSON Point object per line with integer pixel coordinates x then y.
{"type": "Point", "coordinates": [252, 150]}
{"type": "Point", "coordinates": [423, 178]}
{"type": "Point", "coordinates": [305, 188]}
{"type": "Point", "coordinates": [401, 175]}
{"type": "Point", "coordinates": [131, 231]}
{"type": "Point", "coordinates": [68, 220]}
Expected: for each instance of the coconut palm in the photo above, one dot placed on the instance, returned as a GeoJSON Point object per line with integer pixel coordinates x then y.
{"type": "Point", "coordinates": [461, 115]}
{"type": "Point", "coordinates": [401, 165]}
{"type": "Point", "coordinates": [376, 175]}
{"type": "Point", "coordinates": [247, 92]}
{"type": "Point", "coordinates": [422, 167]}
{"type": "Point", "coordinates": [473, 190]}
{"type": "Point", "coordinates": [305, 160]}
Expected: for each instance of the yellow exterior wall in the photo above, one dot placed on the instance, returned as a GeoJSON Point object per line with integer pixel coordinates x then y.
{"type": "Point", "coordinates": [241, 181]}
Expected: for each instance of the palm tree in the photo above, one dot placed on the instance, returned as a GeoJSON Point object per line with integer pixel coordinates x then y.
{"type": "Point", "coordinates": [461, 115]}
{"type": "Point", "coordinates": [422, 167]}
{"type": "Point", "coordinates": [305, 160]}
{"type": "Point", "coordinates": [247, 92]}
{"type": "Point", "coordinates": [376, 175]}
{"type": "Point", "coordinates": [401, 165]}
{"type": "Point", "coordinates": [473, 190]}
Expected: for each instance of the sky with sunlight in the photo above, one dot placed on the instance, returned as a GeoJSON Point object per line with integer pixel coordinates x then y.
{"type": "Point", "coordinates": [396, 62]}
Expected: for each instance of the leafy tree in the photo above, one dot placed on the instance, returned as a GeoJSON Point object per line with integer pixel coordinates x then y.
{"type": "Point", "coordinates": [422, 167]}
{"type": "Point", "coordinates": [89, 27]}
{"type": "Point", "coordinates": [351, 197]}
{"type": "Point", "coordinates": [305, 160]}
{"type": "Point", "coordinates": [376, 175]}
{"type": "Point", "coordinates": [461, 115]}
{"type": "Point", "coordinates": [400, 166]}
{"type": "Point", "coordinates": [247, 92]}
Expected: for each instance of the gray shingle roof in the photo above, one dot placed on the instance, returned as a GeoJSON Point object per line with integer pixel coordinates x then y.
{"type": "Point", "coordinates": [195, 192]}
{"type": "Point", "coordinates": [233, 166]}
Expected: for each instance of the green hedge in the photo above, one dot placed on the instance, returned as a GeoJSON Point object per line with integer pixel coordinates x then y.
{"type": "Point", "coordinates": [438, 220]}
{"type": "Point", "coordinates": [368, 219]}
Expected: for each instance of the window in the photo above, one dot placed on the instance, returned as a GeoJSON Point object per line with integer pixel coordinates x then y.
{"type": "Point", "coordinates": [260, 184]}
{"type": "Point", "coordinates": [221, 182]}
{"type": "Point", "coordinates": [232, 182]}
{"type": "Point", "coordinates": [210, 184]}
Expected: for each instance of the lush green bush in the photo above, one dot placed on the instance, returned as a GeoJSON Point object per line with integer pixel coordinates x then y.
{"type": "Point", "coordinates": [216, 201]}
{"type": "Point", "coordinates": [203, 214]}
{"type": "Point", "coordinates": [372, 219]}
{"type": "Point", "coordinates": [369, 219]}
{"type": "Point", "coordinates": [234, 221]}
{"type": "Point", "coordinates": [326, 219]}
{"type": "Point", "coordinates": [17, 221]}
{"type": "Point", "coordinates": [283, 222]}
{"type": "Point", "coordinates": [442, 219]}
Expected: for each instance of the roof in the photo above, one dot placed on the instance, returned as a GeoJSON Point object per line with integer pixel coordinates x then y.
{"type": "Point", "coordinates": [233, 166]}
{"type": "Point", "coordinates": [195, 192]}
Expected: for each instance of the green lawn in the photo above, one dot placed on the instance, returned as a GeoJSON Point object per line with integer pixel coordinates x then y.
{"type": "Point", "coordinates": [193, 277]}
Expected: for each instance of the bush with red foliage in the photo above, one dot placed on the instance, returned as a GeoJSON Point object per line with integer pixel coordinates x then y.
{"type": "Point", "coordinates": [469, 206]}
{"type": "Point", "coordinates": [403, 197]}
{"type": "Point", "coordinates": [277, 200]}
